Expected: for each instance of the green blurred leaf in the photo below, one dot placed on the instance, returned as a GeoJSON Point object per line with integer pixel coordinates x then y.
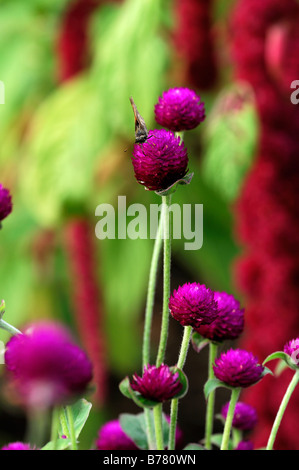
{"type": "Point", "coordinates": [230, 140]}
{"type": "Point", "coordinates": [134, 426]}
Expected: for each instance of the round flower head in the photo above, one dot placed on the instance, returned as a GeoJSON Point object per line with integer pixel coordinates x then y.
{"type": "Point", "coordinates": [45, 367]}
{"type": "Point", "coordinates": [157, 383]}
{"type": "Point", "coordinates": [179, 109]}
{"type": "Point", "coordinates": [229, 323]}
{"type": "Point", "coordinates": [238, 368]}
{"type": "Point", "coordinates": [16, 446]}
{"type": "Point", "coordinates": [245, 416]}
{"type": "Point", "coordinates": [5, 203]}
{"type": "Point", "coordinates": [193, 305]}
{"type": "Point", "coordinates": [161, 161]}
{"type": "Point", "coordinates": [112, 437]}
{"type": "Point", "coordinates": [292, 349]}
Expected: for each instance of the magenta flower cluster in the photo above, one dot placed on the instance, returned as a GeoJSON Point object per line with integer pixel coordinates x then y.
{"type": "Point", "coordinates": [229, 323]}
{"type": "Point", "coordinates": [193, 304]}
{"type": "Point", "coordinates": [245, 416]}
{"type": "Point", "coordinates": [238, 368]}
{"type": "Point", "coordinates": [45, 367]}
{"type": "Point", "coordinates": [5, 203]}
{"type": "Point", "coordinates": [179, 109]}
{"type": "Point", "coordinates": [162, 159]}
{"type": "Point", "coordinates": [157, 383]}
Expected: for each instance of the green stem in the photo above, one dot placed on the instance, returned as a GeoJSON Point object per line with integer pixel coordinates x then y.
{"type": "Point", "coordinates": [55, 427]}
{"type": "Point", "coordinates": [166, 280]}
{"type": "Point", "coordinates": [157, 410]}
{"type": "Point", "coordinates": [71, 427]}
{"type": "Point", "coordinates": [211, 398]}
{"type": "Point", "coordinates": [229, 418]}
{"type": "Point", "coordinates": [151, 294]}
{"type": "Point", "coordinates": [175, 402]}
{"type": "Point", "coordinates": [150, 432]}
{"type": "Point", "coordinates": [7, 327]}
{"type": "Point", "coordinates": [282, 408]}
{"type": "Point", "coordinates": [148, 322]}
{"type": "Point", "coordinates": [63, 422]}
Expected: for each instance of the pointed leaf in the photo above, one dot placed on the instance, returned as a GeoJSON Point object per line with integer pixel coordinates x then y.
{"type": "Point", "coordinates": [198, 342]}
{"type": "Point", "coordinates": [213, 384]}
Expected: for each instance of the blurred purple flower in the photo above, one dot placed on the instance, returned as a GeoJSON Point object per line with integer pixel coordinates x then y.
{"type": "Point", "coordinates": [157, 383]}
{"type": "Point", "coordinates": [45, 366]}
{"type": "Point", "coordinates": [160, 161]}
{"type": "Point", "coordinates": [245, 445]}
{"type": "Point", "coordinates": [292, 349]}
{"type": "Point", "coordinates": [238, 368]}
{"type": "Point", "coordinates": [245, 416]}
{"type": "Point", "coordinates": [179, 109]}
{"type": "Point", "coordinates": [5, 203]}
{"type": "Point", "coordinates": [229, 324]}
{"type": "Point", "coordinates": [193, 305]}
{"type": "Point", "coordinates": [16, 446]}
{"type": "Point", "coordinates": [112, 437]}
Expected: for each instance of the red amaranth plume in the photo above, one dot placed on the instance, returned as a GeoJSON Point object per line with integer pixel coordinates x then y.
{"type": "Point", "coordinates": [87, 302]}
{"type": "Point", "coordinates": [194, 42]}
{"type": "Point", "coordinates": [264, 34]}
{"type": "Point", "coordinates": [73, 47]}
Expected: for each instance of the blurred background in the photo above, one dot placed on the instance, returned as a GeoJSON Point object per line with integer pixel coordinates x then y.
{"type": "Point", "coordinates": [67, 133]}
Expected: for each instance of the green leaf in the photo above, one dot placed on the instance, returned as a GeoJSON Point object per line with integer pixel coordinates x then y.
{"type": "Point", "coordinates": [230, 140]}
{"type": "Point", "coordinates": [213, 384]}
{"type": "Point", "coordinates": [127, 391]}
{"type": "Point", "coordinates": [194, 446]}
{"type": "Point", "coordinates": [60, 444]}
{"type": "Point", "coordinates": [276, 355]}
{"type": "Point", "coordinates": [80, 410]}
{"type": "Point", "coordinates": [198, 342]}
{"type": "Point", "coordinates": [184, 381]}
{"type": "Point", "coordinates": [134, 426]}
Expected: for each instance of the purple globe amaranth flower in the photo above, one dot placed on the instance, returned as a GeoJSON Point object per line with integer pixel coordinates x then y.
{"type": "Point", "coordinates": [291, 348]}
{"type": "Point", "coordinates": [112, 437]}
{"type": "Point", "coordinates": [245, 416]}
{"type": "Point", "coordinates": [179, 109]}
{"type": "Point", "coordinates": [45, 366]}
{"type": "Point", "coordinates": [5, 203]}
{"type": "Point", "coordinates": [229, 323]}
{"type": "Point", "coordinates": [193, 304]}
{"type": "Point", "coordinates": [157, 383]}
{"type": "Point", "coordinates": [161, 161]}
{"type": "Point", "coordinates": [238, 368]}
{"type": "Point", "coordinates": [245, 445]}
{"type": "Point", "coordinates": [17, 446]}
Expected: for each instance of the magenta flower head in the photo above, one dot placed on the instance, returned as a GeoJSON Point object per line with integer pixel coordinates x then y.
{"type": "Point", "coordinates": [112, 437]}
{"type": "Point", "coordinates": [17, 446]}
{"type": "Point", "coordinates": [193, 305]}
{"type": "Point", "coordinates": [245, 416]}
{"type": "Point", "coordinates": [158, 384]}
{"type": "Point", "coordinates": [229, 323]}
{"type": "Point", "coordinates": [291, 348]}
{"type": "Point", "coordinates": [179, 109]}
{"type": "Point", "coordinates": [238, 368]}
{"type": "Point", "coordinates": [45, 366]}
{"type": "Point", "coordinates": [5, 203]}
{"type": "Point", "coordinates": [161, 161]}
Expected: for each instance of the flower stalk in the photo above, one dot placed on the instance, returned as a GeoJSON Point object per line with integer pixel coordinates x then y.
{"type": "Point", "coordinates": [229, 418]}
{"type": "Point", "coordinates": [166, 200]}
{"type": "Point", "coordinates": [211, 398]}
{"type": "Point", "coordinates": [282, 408]}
